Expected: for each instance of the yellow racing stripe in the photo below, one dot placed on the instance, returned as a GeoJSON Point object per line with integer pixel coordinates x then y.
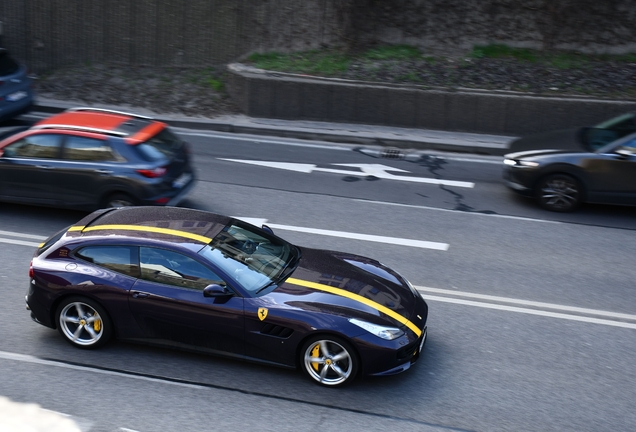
{"type": "Point", "coordinates": [377, 306]}
{"type": "Point", "coordinates": [144, 228]}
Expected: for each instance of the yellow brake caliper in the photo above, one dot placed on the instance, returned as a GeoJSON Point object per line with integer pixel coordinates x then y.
{"type": "Point", "coordinates": [315, 352]}
{"type": "Point", "coordinates": [97, 325]}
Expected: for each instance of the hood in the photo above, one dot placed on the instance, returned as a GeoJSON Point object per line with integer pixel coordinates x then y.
{"type": "Point", "coordinates": [348, 285]}
{"type": "Point", "coordinates": [530, 154]}
{"type": "Point", "coordinates": [566, 139]}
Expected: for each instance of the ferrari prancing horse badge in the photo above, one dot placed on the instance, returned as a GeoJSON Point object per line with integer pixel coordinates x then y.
{"type": "Point", "coordinates": [262, 313]}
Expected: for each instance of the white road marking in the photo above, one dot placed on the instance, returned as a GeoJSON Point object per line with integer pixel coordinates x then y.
{"type": "Point", "coordinates": [349, 235]}
{"type": "Point", "coordinates": [574, 309]}
{"type": "Point", "coordinates": [22, 235]}
{"type": "Point", "coordinates": [25, 358]}
{"type": "Point", "coordinates": [532, 312]}
{"type": "Point", "coordinates": [18, 242]}
{"type": "Point", "coordinates": [366, 170]}
{"type": "Point", "coordinates": [257, 139]}
{"type": "Point", "coordinates": [456, 211]}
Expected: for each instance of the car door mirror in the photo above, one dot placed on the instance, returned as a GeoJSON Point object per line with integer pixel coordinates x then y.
{"type": "Point", "coordinates": [624, 152]}
{"type": "Point", "coordinates": [216, 290]}
{"type": "Point", "coordinates": [267, 229]}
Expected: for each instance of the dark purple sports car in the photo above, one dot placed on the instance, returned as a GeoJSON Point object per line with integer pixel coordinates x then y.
{"type": "Point", "coordinates": [196, 280]}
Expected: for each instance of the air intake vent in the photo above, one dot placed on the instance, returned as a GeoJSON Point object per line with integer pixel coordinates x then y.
{"type": "Point", "coordinates": [278, 331]}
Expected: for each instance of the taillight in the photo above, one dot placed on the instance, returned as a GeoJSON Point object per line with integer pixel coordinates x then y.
{"type": "Point", "coordinates": [31, 274]}
{"type": "Point", "coordinates": [152, 173]}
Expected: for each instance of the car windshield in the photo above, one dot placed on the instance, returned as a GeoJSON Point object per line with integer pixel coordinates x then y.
{"type": "Point", "coordinates": [254, 259]}
{"type": "Point", "coordinates": [8, 66]}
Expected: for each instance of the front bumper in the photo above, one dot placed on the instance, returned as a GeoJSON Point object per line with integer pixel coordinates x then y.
{"type": "Point", "coordinates": [412, 352]}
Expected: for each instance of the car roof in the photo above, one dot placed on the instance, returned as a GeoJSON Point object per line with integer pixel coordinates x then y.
{"type": "Point", "coordinates": [133, 127]}
{"type": "Point", "coordinates": [169, 224]}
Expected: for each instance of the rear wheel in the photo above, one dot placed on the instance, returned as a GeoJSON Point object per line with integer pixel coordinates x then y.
{"type": "Point", "coordinates": [119, 200]}
{"type": "Point", "coordinates": [83, 322]}
{"type": "Point", "coordinates": [329, 361]}
{"type": "Point", "coordinates": [559, 193]}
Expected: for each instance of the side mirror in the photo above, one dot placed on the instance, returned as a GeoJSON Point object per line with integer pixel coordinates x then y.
{"type": "Point", "coordinates": [624, 152]}
{"type": "Point", "coordinates": [267, 229]}
{"type": "Point", "coordinates": [216, 290]}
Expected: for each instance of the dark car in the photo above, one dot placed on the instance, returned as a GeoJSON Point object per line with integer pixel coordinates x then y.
{"type": "Point", "coordinates": [16, 92]}
{"type": "Point", "coordinates": [196, 280]}
{"type": "Point", "coordinates": [560, 180]}
{"type": "Point", "coordinates": [87, 158]}
{"type": "Point", "coordinates": [578, 139]}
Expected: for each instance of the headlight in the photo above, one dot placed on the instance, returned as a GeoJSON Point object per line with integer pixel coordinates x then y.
{"type": "Point", "coordinates": [388, 333]}
{"type": "Point", "coordinates": [520, 163]}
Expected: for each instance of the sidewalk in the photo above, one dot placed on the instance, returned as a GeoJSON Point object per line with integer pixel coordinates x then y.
{"type": "Point", "coordinates": [389, 137]}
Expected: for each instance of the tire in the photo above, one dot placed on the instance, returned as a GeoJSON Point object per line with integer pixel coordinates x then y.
{"type": "Point", "coordinates": [559, 193]}
{"type": "Point", "coordinates": [330, 361]}
{"type": "Point", "coordinates": [119, 200]}
{"type": "Point", "coordinates": [83, 322]}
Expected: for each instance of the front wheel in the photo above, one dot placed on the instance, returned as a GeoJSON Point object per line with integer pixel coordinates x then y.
{"type": "Point", "coordinates": [329, 361]}
{"type": "Point", "coordinates": [83, 322]}
{"type": "Point", "coordinates": [559, 193]}
{"type": "Point", "coordinates": [119, 200]}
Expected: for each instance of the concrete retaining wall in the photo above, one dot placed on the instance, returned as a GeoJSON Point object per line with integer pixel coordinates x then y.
{"type": "Point", "coordinates": [272, 95]}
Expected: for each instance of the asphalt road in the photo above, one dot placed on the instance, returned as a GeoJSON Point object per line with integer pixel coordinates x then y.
{"type": "Point", "coordinates": [532, 322]}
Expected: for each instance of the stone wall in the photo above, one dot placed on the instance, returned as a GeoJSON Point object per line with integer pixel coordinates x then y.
{"type": "Point", "coordinates": [591, 26]}
{"type": "Point", "coordinates": [50, 33]}
{"type": "Point", "coordinates": [293, 97]}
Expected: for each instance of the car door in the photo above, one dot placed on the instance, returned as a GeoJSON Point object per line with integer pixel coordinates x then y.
{"type": "Point", "coordinates": [86, 167]}
{"type": "Point", "coordinates": [612, 176]}
{"type": "Point", "coordinates": [26, 166]}
{"type": "Point", "coordinates": [168, 303]}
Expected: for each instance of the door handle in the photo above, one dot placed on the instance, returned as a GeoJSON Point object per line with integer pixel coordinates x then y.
{"type": "Point", "coordinates": [138, 294]}
{"type": "Point", "coordinates": [103, 171]}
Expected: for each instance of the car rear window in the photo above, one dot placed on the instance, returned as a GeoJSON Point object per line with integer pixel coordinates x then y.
{"type": "Point", "coordinates": [8, 66]}
{"type": "Point", "coordinates": [51, 241]}
{"type": "Point", "coordinates": [164, 145]}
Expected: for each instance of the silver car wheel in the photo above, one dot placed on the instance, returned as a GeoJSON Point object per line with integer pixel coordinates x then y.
{"type": "Point", "coordinates": [81, 324]}
{"type": "Point", "coordinates": [559, 192]}
{"type": "Point", "coordinates": [328, 362]}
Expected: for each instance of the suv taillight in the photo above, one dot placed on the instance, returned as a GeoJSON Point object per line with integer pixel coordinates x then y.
{"type": "Point", "coordinates": [152, 173]}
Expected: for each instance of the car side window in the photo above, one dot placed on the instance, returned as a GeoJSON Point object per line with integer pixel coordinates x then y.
{"type": "Point", "coordinates": [122, 259]}
{"type": "Point", "coordinates": [630, 145]}
{"type": "Point", "coordinates": [78, 148]}
{"type": "Point", "coordinates": [172, 268]}
{"type": "Point", "coordinates": [41, 146]}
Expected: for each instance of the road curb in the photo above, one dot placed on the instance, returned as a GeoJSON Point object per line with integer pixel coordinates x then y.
{"type": "Point", "coordinates": [401, 138]}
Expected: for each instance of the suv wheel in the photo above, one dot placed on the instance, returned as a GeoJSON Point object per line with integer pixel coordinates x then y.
{"type": "Point", "coordinates": [119, 200]}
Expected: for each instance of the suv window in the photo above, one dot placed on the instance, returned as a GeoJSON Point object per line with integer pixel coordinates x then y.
{"type": "Point", "coordinates": [172, 268]}
{"type": "Point", "coordinates": [122, 259]}
{"type": "Point", "coordinates": [87, 149]}
{"type": "Point", "coordinates": [8, 66]}
{"type": "Point", "coordinates": [164, 145]}
{"type": "Point", "coordinates": [41, 146]}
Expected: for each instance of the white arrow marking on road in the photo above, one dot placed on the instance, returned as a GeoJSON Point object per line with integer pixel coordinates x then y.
{"type": "Point", "coordinates": [366, 170]}
{"type": "Point", "coordinates": [354, 236]}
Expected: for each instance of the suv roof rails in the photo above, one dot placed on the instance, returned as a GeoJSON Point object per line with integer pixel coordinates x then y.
{"type": "Point", "coordinates": [104, 110]}
{"type": "Point", "coordinates": [80, 128]}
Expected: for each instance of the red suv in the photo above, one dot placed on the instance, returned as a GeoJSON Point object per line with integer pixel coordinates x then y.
{"type": "Point", "coordinates": [87, 158]}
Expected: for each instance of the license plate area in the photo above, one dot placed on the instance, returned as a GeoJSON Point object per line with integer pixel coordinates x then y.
{"type": "Point", "coordinates": [16, 96]}
{"type": "Point", "coordinates": [182, 180]}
